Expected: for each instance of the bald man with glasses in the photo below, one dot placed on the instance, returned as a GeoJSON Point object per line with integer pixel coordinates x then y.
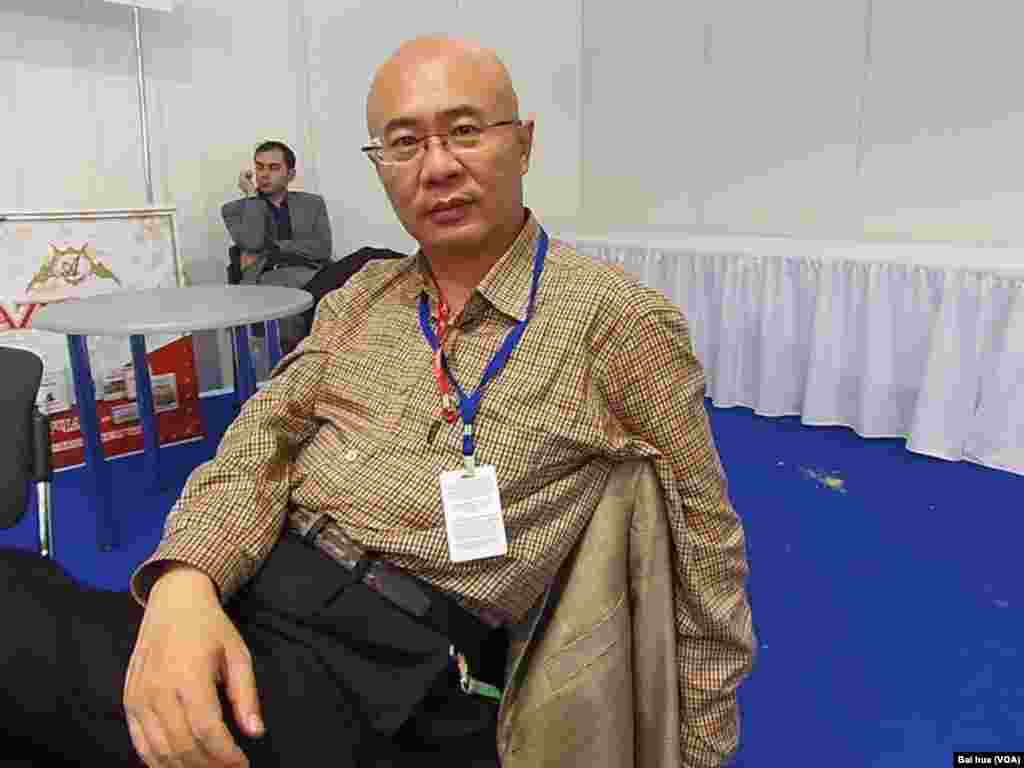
{"type": "Point", "coordinates": [408, 484]}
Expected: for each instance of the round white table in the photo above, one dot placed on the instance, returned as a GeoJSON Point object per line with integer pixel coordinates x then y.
{"type": "Point", "coordinates": [160, 311]}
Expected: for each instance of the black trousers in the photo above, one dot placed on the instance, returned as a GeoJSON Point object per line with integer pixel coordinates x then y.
{"type": "Point", "coordinates": [339, 669]}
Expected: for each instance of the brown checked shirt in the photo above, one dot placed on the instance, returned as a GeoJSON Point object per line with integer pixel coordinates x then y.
{"type": "Point", "coordinates": [350, 426]}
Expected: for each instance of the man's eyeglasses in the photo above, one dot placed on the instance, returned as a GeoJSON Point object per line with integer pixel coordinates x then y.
{"type": "Point", "coordinates": [403, 149]}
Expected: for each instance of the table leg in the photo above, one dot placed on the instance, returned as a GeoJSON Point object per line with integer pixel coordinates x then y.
{"type": "Point", "coordinates": [245, 372]}
{"type": "Point", "coordinates": [95, 464]}
{"type": "Point", "coordinates": [234, 367]}
{"type": "Point", "coordinates": [147, 413]}
{"type": "Point", "coordinates": [273, 336]}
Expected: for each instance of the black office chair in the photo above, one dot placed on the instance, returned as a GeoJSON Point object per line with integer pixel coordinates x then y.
{"type": "Point", "coordinates": [25, 454]}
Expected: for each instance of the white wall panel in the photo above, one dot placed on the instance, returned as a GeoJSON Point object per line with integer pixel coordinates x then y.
{"type": "Point", "coordinates": [644, 135]}
{"type": "Point", "coordinates": [782, 86]}
{"type": "Point", "coordinates": [540, 44]}
{"type": "Point", "coordinates": [944, 117]}
{"type": "Point", "coordinates": [70, 112]}
{"type": "Point", "coordinates": [348, 41]}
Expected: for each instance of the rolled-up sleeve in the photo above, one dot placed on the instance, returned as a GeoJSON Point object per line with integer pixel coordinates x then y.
{"type": "Point", "coordinates": [232, 508]}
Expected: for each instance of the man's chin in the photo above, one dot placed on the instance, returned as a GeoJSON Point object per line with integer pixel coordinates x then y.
{"type": "Point", "coordinates": [456, 237]}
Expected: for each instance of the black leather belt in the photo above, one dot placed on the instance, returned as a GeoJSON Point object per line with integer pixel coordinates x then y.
{"type": "Point", "coordinates": [408, 593]}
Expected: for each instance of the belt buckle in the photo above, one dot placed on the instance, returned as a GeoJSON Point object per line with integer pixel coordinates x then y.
{"type": "Point", "coordinates": [313, 532]}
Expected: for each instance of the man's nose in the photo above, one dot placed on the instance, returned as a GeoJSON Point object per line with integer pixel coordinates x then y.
{"type": "Point", "coordinates": [438, 161]}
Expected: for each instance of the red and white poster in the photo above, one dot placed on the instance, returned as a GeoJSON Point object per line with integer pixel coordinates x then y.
{"type": "Point", "coordinates": [64, 256]}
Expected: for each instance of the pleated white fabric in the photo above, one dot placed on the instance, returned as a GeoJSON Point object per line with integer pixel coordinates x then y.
{"type": "Point", "coordinates": [923, 342]}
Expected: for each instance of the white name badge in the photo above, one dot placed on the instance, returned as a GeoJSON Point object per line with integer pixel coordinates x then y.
{"type": "Point", "coordinates": [472, 514]}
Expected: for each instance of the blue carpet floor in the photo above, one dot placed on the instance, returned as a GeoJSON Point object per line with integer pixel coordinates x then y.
{"type": "Point", "coordinates": [886, 588]}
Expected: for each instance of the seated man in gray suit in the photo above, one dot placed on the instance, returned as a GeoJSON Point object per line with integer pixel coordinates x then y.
{"type": "Point", "coordinates": [284, 237]}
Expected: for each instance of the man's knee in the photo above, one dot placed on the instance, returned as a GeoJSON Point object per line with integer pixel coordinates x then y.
{"type": "Point", "coordinates": [29, 586]}
{"type": "Point", "coordinates": [24, 575]}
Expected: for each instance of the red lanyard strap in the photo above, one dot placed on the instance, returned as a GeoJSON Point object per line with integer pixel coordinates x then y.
{"type": "Point", "coordinates": [469, 404]}
{"type": "Point", "coordinates": [447, 401]}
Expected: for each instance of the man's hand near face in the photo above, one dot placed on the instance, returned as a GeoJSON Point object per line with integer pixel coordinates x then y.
{"type": "Point", "coordinates": [248, 189]}
{"type": "Point", "coordinates": [246, 184]}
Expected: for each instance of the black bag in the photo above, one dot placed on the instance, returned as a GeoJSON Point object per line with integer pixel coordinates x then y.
{"type": "Point", "coordinates": [337, 273]}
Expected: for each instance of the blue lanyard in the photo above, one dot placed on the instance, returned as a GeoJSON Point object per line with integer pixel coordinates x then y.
{"type": "Point", "coordinates": [469, 405]}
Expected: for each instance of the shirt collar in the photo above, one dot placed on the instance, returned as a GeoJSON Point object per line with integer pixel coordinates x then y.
{"type": "Point", "coordinates": [506, 286]}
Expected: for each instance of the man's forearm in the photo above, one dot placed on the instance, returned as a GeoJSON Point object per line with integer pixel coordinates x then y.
{"type": "Point", "coordinates": [246, 222]}
{"type": "Point", "coordinates": [315, 250]}
{"type": "Point", "coordinates": [232, 508]}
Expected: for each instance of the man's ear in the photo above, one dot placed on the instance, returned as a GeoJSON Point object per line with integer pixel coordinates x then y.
{"type": "Point", "coordinates": [291, 175]}
{"type": "Point", "coordinates": [526, 139]}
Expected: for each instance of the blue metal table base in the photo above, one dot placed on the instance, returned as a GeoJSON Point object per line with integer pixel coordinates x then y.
{"type": "Point", "coordinates": [95, 465]}
{"type": "Point", "coordinates": [147, 413]}
{"type": "Point", "coordinates": [273, 336]}
{"type": "Point", "coordinates": [244, 367]}
{"type": "Point", "coordinates": [245, 372]}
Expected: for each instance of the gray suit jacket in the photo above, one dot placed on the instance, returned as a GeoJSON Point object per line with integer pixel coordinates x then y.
{"type": "Point", "coordinates": [253, 228]}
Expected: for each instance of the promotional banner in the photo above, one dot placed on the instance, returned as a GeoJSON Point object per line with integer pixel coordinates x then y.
{"type": "Point", "coordinates": [51, 257]}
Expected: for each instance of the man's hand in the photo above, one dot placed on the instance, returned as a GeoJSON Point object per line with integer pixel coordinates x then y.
{"type": "Point", "coordinates": [246, 184]}
{"type": "Point", "coordinates": [246, 259]}
{"type": "Point", "coordinates": [186, 646]}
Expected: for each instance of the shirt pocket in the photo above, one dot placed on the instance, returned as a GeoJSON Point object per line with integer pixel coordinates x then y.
{"type": "Point", "coordinates": [369, 377]}
{"type": "Point", "coordinates": [529, 452]}
{"type": "Point", "coordinates": [546, 372]}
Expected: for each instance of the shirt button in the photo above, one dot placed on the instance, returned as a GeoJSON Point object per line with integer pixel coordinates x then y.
{"type": "Point", "coordinates": [351, 454]}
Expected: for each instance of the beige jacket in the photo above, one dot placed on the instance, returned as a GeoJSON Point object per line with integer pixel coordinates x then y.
{"type": "Point", "coordinates": [592, 676]}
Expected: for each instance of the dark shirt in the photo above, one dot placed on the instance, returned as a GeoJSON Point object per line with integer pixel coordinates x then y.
{"type": "Point", "coordinates": [282, 218]}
